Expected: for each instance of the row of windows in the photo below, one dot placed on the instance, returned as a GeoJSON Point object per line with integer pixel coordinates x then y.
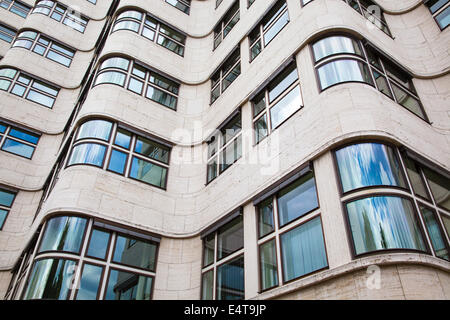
{"type": "Point", "coordinates": [407, 208]}
{"type": "Point", "coordinates": [138, 79]}
{"type": "Point", "coordinates": [106, 145]}
{"type": "Point", "coordinates": [151, 29]}
{"type": "Point", "coordinates": [61, 13]}
{"type": "Point", "coordinates": [183, 5]}
{"type": "Point", "coordinates": [440, 9]}
{"type": "Point", "coordinates": [44, 46]}
{"type": "Point", "coordinates": [25, 86]}
{"type": "Point", "coordinates": [17, 141]}
{"type": "Point", "coordinates": [17, 7]}
{"type": "Point", "coordinates": [6, 33]}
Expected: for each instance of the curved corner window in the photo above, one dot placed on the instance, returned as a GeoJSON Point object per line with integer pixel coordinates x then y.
{"type": "Point", "coordinates": [383, 223]}
{"type": "Point", "coordinates": [368, 165]}
{"type": "Point", "coordinates": [61, 13]}
{"type": "Point", "coordinates": [342, 59]}
{"type": "Point", "coordinates": [138, 79]}
{"type": "Point", "coordinates": [106, 145]}
{"type": "Point", "coordinates": [63, 234]}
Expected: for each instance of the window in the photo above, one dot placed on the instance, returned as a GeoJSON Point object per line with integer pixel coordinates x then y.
{"type": "Point", "coordinates": [387, 219]}
{"type": "Point", "coordinates": [249, 3]}
{"type": "Point", "coordinates": [17, 141]}
{"type": "Point", "coordinates": [372, 12]}
{"type": "Point", "coordinates": [270, 26]}
{"type": "Point", "coordinates": [44, 46]}
{"type": "Point", "coordinates": [6, 201]}
{"type": "Point", "coordinates": [218, 2]}
{"type": "Point", "coordinates": [152, 29]}
{"type": "Point", "coordinates": [225, 75]}
{"type": "Point", "coordinates": [6, 33]}
{"type": "Point", "coordinates": [230, 19]}
{"type": "Point", "coordinates": [95, 255]}
{"type": "Point", "coordinates": [183, 5]}
{"type": "Point", "coordinates": [341, 59]}
{"type": "Point", "coordinates": [25, 86]}
{"type": "Point", "coordinates": [440, 9]}
{"type": "Point", "coordinates": [138, 79]}
{"type": "Point", "coordinates": [225, 147]}
{"type": "Point", "coordinates": [107, 145]}
{"type": "Point", "coordinates": [223, 262]}
{"type": "Point", "coordinates": [17, 7]}
{"type": "Point", "coordinates": [92, 1]}
{"type": "Point", "coordinates": [61, 13]}
{"type": "Point", "coordinates": [291, 212]}
{"type": "Point", "coordinates": [279, 100]}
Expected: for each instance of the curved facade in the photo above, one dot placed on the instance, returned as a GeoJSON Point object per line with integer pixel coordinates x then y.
{"type": "Point", "coordinates": [284, 149]}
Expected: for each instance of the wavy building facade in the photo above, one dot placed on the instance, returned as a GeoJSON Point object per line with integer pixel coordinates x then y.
{"type": "Point", "coordinates": [235, 149]}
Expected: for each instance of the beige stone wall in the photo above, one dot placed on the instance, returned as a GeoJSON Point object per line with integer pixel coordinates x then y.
{"type": "Point", "coordinates": [187, 207]}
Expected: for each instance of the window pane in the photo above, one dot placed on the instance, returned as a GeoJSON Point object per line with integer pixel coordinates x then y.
{"type": "Point", "coordinates": [287, 106]}
{"type": "Point", "coordinates": [265, 219]}
{"type": "Point", "coordinates": [90, 282]}
{"type": "Point", "coordinates": [339, 71]}
{"type": "Point", "coordinates": [434, 231]}
{"type": "Point", "coordinates": [117, 161]}
{"type": "Point", "coordinates": [297, 199]}
{"type": "Point", "coordinates": [3, 214]}
{"type": "Point", "coordinates": [63, 234]}
{"type": "Point", "coordinates": [268, 264]}
{"type": "Point", "coordinates": [368, 164]}
{"type": "Point", "coordinates": [207, 285]}
{"type": "Point", "coordinates": [383, 222]}
{"type": "Point", "coordinates": [282, 82]}
{"type": "Point", "coordinates": [231, 129]}
{"type": "Point", "coordinates": [98, 244]}
{"type": "Point", "coordinates": [231, 154]}
{"type": "Point", "coordinates": [435, 5]}
{"type": "Point", "coordinates": [25, 136]}
{"type": "Point", "coordinates": [40, 98]}
{"type": "Point", "coordinates": [261, 129]}
{"type": "Point", "coordinates": [171, 45]}
{"type": "Point", "coordinates": [97, 129]}
{"type": "Point", "coordinates": [212, 169]}
{"type": "Point", "coordinates": [116, 62]}
{"type": "Point", "coordinates": [230, 77]}
{"type": "Point", "coordinates": [161, 97]}
{"type": "Point", "coordinates": [50, 279]}
{"type": "Point", "coordinates": [408, 101]}
{"type": "Point", "coordinates": [88, 153]}
{"type": "Point", "coordinates": [208, 249]}
{"type": "Point", "coordinates": [128, 286]}
{"type": "Point", "coordinates": [446, 220]}
{"type": "Point", "coordinates": [152, 149]}
{"type": "Point", "coordinates": [382, 84]}
{"type": "Point", "coordinates": [112, 77]}
{"type": "Point", "coordinates": [416, 178]}
{"type": "Point", "coordinates": [443, 18]}
{"type": "Point", "coordinates": [276, 28]}
{"type": "Point", "coordinates": [6, 198]}
{"type": "Point", "coordinates": [440, 188]}
{"type": "Point", "coordinates": [230, 238]}
{"type": "Point", "coordinates": [135, 86]}
{"type": "Point", "coordinates": [18, 148]}
{"type": "Point", "coordinates": [303, 250]}
{"type": "Point", "coordinates": [148, 172]}
{"type": "Point", "coordinates": [136, 253]}
{"type": "Point", "coordinates": [123, 138]}
{"type": "Point", "coordinates": [59, 58]}
{"type": "Point", "coordinates": [334, 45]}
{"type": "Point", "coordinates": [230, 280]}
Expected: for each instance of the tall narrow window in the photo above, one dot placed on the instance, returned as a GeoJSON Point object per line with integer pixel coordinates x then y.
{"type": "Point", "coordinates": [230, 19]}
{"type": "Point", "coordinates": [223, 264]}
{"type": "Point", "coordinates": [225, 75]}
{"type": "Point", "coordinates": [6, 201]}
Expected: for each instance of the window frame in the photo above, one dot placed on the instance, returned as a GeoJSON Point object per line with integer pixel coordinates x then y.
{"type": "Point", "coordinates": [222, 74]}
{"type": "Point", "coordinates": [219, 28]}
{"type": "Point", "coordinates": [439, 11]}
{"type": "Point", "coordinates": [5, 135]}
{"type": "Point", "coordinates": [5, 207]}
{"type": "Point", "coordinates": [13, 5]}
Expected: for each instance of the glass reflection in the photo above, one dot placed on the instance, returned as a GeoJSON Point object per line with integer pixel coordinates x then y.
{"type": "Point", "coordinates": [230, 237]}
{"type": "Point", "coordinates": [135, 253]}
{"type": "Point", "coordinates": [368, 164]}
{"type": "Point", "coordinates": [90, 282]}
{"type": "Point", "coordinates": [334, 45]}
{"type": "Point", "coordinates": [230, 280]}
{"type": "Point", "coordinates": [340, 71]}
{"type": "Point", "coordinates": [128, 286]}
{"type": "Point", "coordinates": [436, 236]}
{"type": "Point", "coordinates": [268, 263]}
{"type": "Point", "coordinates": [384, 222]}
{"type": "Point", "coordinates": [88, 153]}
{"type": "Point", "coordinates": [63, 234]}
{"type": "Point", "coordinates": [96, 129]}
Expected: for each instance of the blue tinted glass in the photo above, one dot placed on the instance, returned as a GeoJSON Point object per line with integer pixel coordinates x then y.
{"type": "Point", "coordinates": [98, 244]}
{"type": "Point", "coordinates": [383, 222]}
{"type": "Point", "coordinates": [297, 199]}
{"type": "Point", "coordinates": [303, 250]}
{"type": "Point", "coordinates": [88, 154]}
{"type": "Point", "coordinates": [63, 234]}
{"type": "Point", "coordinates": [123, 139]}
{"type": "Point", "coordinates": [18, 148]}
{"type": "Point", "coordinates": [6, 198]}
{"type": "Point", "coordinates": [3, 214]}
{"type": "Point", "coordinates": [97, 129]}
{"type": "Point", "coordinates": [2, 128]}
{"type": "Point", "coordinates": [368, 164]}
{"type": "Point", "coordinates": [117, 161]}
{"type": "Point", "coordinates": [31, 138]}
{"type": "Point", "coordinates": [90, 282]}
{"type": "Point", "coordinates": [40, 98]}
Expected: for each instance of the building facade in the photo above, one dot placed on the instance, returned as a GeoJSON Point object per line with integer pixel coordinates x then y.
{"type": "Point", "coordinates": [234, 149]}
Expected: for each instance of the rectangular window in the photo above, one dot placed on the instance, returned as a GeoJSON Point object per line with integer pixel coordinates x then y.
{"type": "Point", "coordinates": [272, 23]}
{"type": "Point", "coordinates": [6, 201]}
{"type": "Point", "coordinates": [279, 100]}
{"type": "Point", "coordinates": [17, 141]}
{"type": "Point", "coordinates": [6, 33]}
{"type": "Point", "coordinates": [44, 46]}
{"type": "Point", "coordinates": [61, 13]}
{"type": "Point", "coordinates": [225, 147]}
{"type": "Point", "coordinates": [223, 262]}
{"type": "Point", "coordinates": [225, 75]}
{"type": "Point", "coordinates": [440, 9]}
{"type": "Point", "coordinates": [183, 5]}
{"type": "Point", "coordinates": [372, 12]}
{"type": "Point", "coordinates": [17, 7]}
{"type": "Point", "coordinates": [300, 245]}
{"type": "Point", "coordinates": [229, 20]}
